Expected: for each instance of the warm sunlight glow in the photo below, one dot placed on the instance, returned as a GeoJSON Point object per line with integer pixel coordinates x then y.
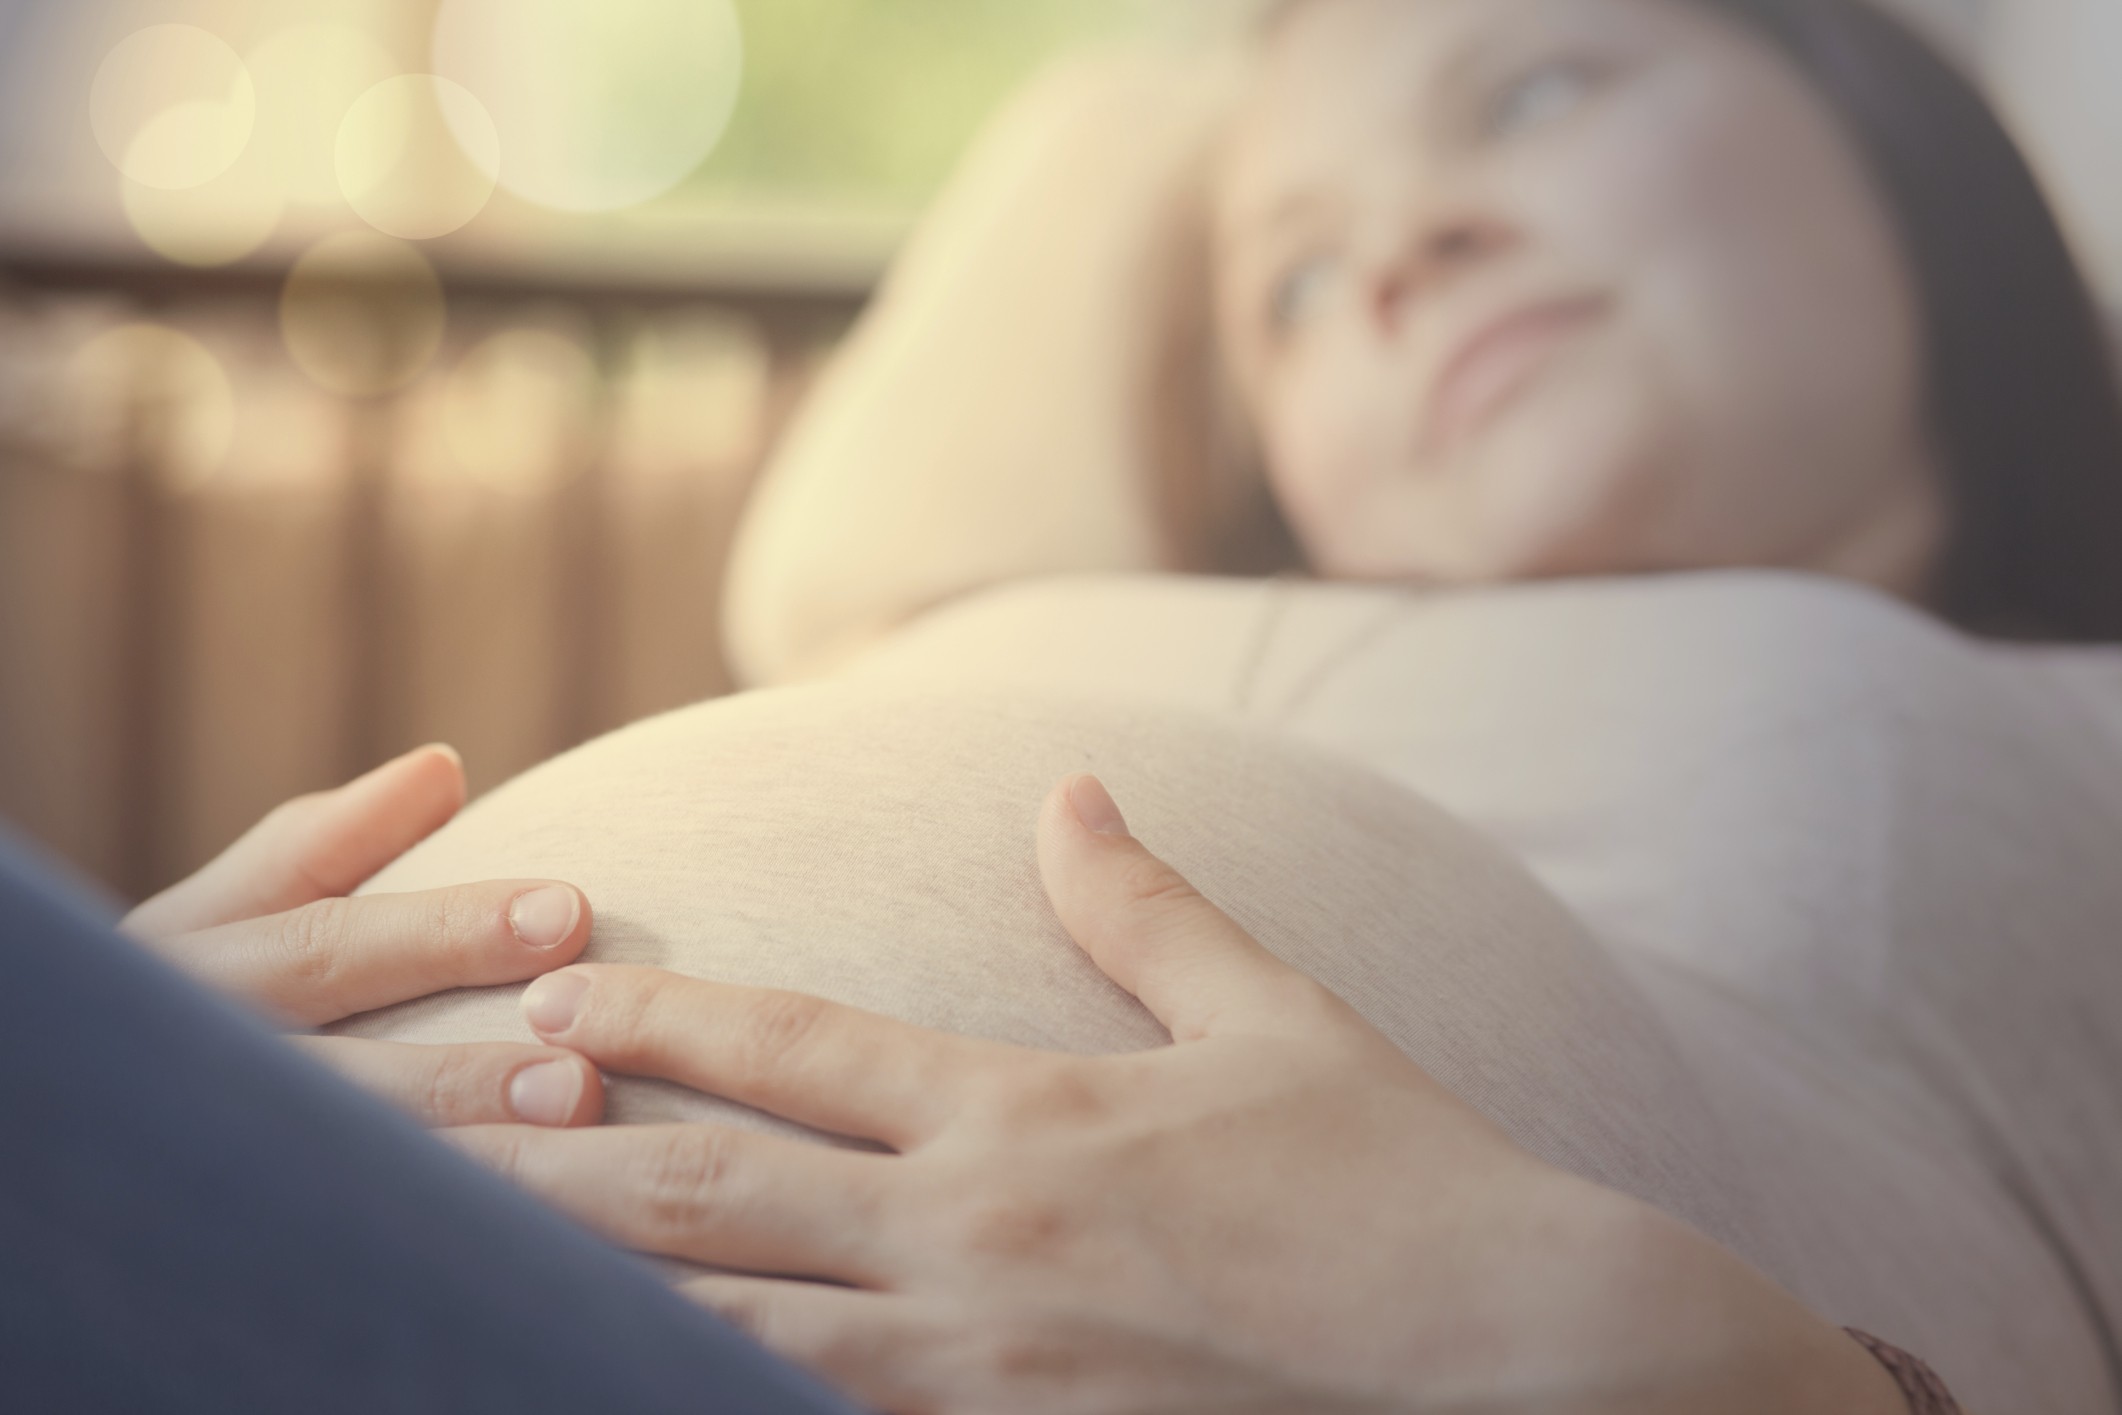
{"type": "Point", "coordinates": [307, 78]}
{"type": "Point", "coordinates": [399, 168]}
{"type": "Point", "coordinates": [219, 222]}
{"type": "Point", "coordinates": [172, 107]}
{"type": "Point", "coordinates": [599, 106]}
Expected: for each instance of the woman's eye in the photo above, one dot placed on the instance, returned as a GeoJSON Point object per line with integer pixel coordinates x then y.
{"type": "Point", "coordinates": [1302, 291]}
{"type": "Point", "coordinates": [1539, 96]}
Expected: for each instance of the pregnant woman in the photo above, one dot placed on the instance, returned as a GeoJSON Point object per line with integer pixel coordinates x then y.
{"type": "Point", "coordinates": [1515, 289]}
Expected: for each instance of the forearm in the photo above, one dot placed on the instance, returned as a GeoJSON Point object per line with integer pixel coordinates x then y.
{"type": "Point", "coordinates": [1613, 1308]}
{"type": "Point", "coordinates": [1677, 1324]}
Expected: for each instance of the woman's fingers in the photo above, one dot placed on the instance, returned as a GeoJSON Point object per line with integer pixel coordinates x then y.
{"type": "Point", "coordinates": [337, 957]}
{"type": "Point", "coordinates": [706, 1194]}
{"type": "Point", "coordinates": [314, 847]}
{"type": "Point", "coordinates": [817, 1063]}
{"type": "Point", "coordinates": [478, 1084]}
{"type": "Point", "coordinates": [1154, 934]}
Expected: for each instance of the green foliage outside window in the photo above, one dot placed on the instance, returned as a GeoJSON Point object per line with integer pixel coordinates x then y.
{"type": "Point", "coordinates": [870, 102]}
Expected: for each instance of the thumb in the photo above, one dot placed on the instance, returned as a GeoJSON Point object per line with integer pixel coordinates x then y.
{"type": "Point", "coordinates": [314, 847]}
{"type": "Point", "coordinates": [1152, 932]}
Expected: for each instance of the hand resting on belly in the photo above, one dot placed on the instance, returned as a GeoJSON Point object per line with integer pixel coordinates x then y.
{"type": "Point", "coordinates": [874, 846]}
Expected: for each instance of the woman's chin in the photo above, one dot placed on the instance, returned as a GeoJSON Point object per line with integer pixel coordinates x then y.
{"type": "Point", "coordinates": [1568, 496]}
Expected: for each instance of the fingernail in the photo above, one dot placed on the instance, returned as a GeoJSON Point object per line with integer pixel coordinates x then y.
{"type": "Point", "coordinates": [1093, 806]}
{"type": "Point", "coordinates": [432, 749]}
{"type": "Point", "coordinates": [546, 1094]}
{"type": "Point", "coordinates": [550, 1004]}
{"type": "Point", "coordinates": [545, 918]}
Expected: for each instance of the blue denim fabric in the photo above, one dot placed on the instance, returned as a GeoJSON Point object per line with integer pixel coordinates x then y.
{"type": "Point", "coordinates": [193, 1217]}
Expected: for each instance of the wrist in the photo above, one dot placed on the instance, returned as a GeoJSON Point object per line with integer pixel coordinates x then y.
{"type": "Point", "coordinates": [1671, 1322]}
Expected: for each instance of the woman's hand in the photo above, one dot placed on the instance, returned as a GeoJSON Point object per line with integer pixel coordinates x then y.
{"type": "Point", "coordinates": [269, 922]}
{"type": "Point", "coordinates": [1278, 1212]}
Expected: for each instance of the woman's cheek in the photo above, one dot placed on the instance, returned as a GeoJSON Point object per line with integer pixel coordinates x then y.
{"type": "Point", "coordinates": [1775, 284]}
{"type": "Point", "coordinates": [1615, 188]}
{"type": "Point", "coordinates": [1662, 197]}
{"type": "Point", "coordinates": [1328, 461]}
{"type": "Point", "coordinates": [1583, 484]}
{"type": "Point", "coordinates": [1669, 203]}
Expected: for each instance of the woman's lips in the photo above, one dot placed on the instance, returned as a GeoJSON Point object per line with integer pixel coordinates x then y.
{"type": "Point", "coordinates": [1496, 362]}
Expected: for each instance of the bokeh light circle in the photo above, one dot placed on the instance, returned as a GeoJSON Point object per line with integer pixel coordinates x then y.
{"type": "Point", "coordinates": [513, 408]}
{"type": "Point", "coordinates": [217, 224]}
{"type": "Point", "coordinates": [171, 379]}
{"type": "Point", "coordinates": [307, 77]}
{"type": "Point", "coordinates": [172, 107]}
{"type": "Point", "coordinates": [362, 314]}
{"type": "Point", "coordinates": [599, 106]}
{"type": "Point", "coordinates": [398, 166]}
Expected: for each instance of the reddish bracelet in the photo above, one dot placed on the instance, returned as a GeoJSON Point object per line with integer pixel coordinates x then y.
{"type": "Point", "coordinates": [1926, 1394]}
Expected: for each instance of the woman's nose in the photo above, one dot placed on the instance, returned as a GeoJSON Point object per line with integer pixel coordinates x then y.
{"type": "Point", "coordinates": [1437, 255]}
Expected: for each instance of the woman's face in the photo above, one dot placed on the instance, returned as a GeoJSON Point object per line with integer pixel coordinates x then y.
{"type": "Point", "coordinates": [1522, 288]}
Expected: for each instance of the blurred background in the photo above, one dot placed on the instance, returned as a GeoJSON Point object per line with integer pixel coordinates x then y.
{"type": "Point", "coordinates": [375, 372]}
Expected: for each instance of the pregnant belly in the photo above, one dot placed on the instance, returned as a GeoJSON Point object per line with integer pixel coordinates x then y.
{"type": "Point", "coordinates": [874, 844]}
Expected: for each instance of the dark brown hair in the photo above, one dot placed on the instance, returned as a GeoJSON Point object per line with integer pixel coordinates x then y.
{"type": "Point", "coordinates": [2024, 401]}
